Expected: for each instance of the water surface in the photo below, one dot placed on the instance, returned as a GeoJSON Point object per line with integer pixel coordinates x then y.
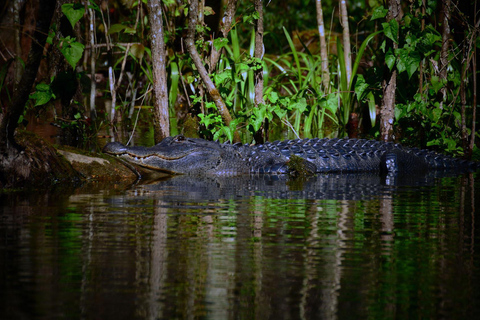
{"type": "Point", "coordinates": [329, 247]}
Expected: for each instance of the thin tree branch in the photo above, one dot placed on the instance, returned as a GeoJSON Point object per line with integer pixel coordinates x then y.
{"type": "Point", "coordinates": [192, 50]}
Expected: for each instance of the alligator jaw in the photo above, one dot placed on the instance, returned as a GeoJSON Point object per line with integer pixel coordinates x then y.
{"type": "Point", "coordinates": [142, 158]}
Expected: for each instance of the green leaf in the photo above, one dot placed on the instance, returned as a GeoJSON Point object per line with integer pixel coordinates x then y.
{"type": "Point", "coordinates": [412, 63]}
{"type": "Point", "coordinates": [74, 12]}
{"type": "Point", "coordinates": [295, 56]}
{"type": "Point", "coordinates": [221, 77]}
{"type": "Point", "coordinates": [300, 105]}
{"type": "Point", "coordinates": [379, 13]}
{"type": "Point", "coordinates": [390, 59]}
{"type": "Point", "coordinates": [130, 30]}
{"type": "Point", "coordinates": [209, 119]}
{"type": "Point", "coordinates": [435, 115]}
{"type": "Point", "coordinates": [435, 142]}
{"type": "Point", "coordinates": [116, 28]}
{"type": "Point", "coordinates": [210, 105]}
{"type": "Point", "coordinates": [391, 30]}
{"type": "Point", "coordinates": [430, 37]}
{"type": "Point", "coordinates": [174, 79]}
{"type": "Point", "coordinates": [330, 103]}
{"type": "Point", "coordinates": [220, 43]}
{"type": "Point", "coordinates": [437, 84]}
{"type": "Point", "coordinates": [208, 11]}
{"type": "Point", "coordinates": [383, 45]}
{"type": "Point", "coordinates": [431, 6]}
{"type": "Point", "coordinates": [51, 35]}
{"type": "Point", "coordinates": [259, 116]}
{"type": "Point", "coordinates": [43, 94]}
{"type": "Point", "coordinates": [372, 109]}
{"type": "Point", "coordinates": [137, 50]}
{"type": "Point", "coordinates": [71, 50]}
{"type": "Point", "coordinates": [399, 111]}
{"type": "Point", "coordinates": [273, 97]}
{"type": "Point", "coordinates": [402, 60]}
{"type": "Point", "coordinates": [94, 6]}
{"type": "Point", "coordinates": [360, 86]}
{"type": "Point", "coordinates": [358, 59]}
{"type": "Point", "coordinates": [250, 18]}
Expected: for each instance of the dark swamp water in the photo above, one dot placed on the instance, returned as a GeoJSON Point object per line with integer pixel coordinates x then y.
{"type": "Point", "coordinates": [330, 247]}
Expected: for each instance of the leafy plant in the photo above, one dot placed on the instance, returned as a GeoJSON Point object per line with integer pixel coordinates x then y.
{"type": "Point", "coordinates": [345, 86]}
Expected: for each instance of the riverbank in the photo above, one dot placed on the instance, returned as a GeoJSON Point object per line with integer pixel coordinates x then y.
{"type": "Point", "coordinates": [37, 163]}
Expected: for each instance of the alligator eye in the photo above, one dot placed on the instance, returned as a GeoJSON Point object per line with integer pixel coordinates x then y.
{"type": "Point", "coordinates": [180, 138]}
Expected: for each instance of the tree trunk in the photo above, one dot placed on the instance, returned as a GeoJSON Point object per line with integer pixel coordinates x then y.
{"type": "Point", "coordinates": [159, 60]}
{"type": "Point", "coordinates": [463, 100]}
{"type": "Point", "coordinates": [28, 161]}
{"type": "Point", "coordinates": [258, 73]}
{"type": "Point", "coordinates": [259, 51]}
{"type": "Point", "coordinates": [346, 39]}
{"type": "Point", "coordinates": [474, 102]}
{"type": "Point", "coordinates": [192, 50]}
{"type": "Point", "coordinates": [445, 47]}
{"type": "Point", "coordinates": [20, 96]}
{"type": "Point", "coordinates": [420, 67]}
{"type": "Point", "coordinates": [225, 26]}
{"type": "Point", "coordinates": [323, 47]}
{"type": "Point", "coordinates": [93, 58]}
{"type": "Point", "coordinates": [17, 6]}
{"type": "Point", "coordinates": [387, 111]}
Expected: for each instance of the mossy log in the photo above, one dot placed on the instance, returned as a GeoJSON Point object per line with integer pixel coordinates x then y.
{"type": "Point", "coordinates": [39, 164]}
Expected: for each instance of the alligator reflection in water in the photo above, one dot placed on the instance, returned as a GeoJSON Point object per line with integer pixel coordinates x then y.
{"type": "Point", "coordinates": [335, 186]}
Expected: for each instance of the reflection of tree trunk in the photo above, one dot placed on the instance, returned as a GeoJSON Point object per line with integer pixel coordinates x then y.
{"type": "Point", "coordinates": [218, 282]}
{"type": "Point", "coordinates": [346, 39]}
{"type": "Point", "coordinates": [323, 47]}
{"type": "Point", "coordinates": [258, 254]}
{"type": "Point", "coordinates": [387, 112]}
{"type": "Point", "coordinates": [159, 255]}
{"type": "Point", "coordinates": [386, 218]}
{"type": "Point", "coordinates": [159, 59]}
{"type": "Point", "coordinates": [244, 263]}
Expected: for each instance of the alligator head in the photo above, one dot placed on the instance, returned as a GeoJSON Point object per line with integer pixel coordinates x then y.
{"type": "Point", "coordinates": [174, 155]}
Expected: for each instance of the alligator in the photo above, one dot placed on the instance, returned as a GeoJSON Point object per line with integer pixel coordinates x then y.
{"type": "Point", "coordinates": [195, 156]}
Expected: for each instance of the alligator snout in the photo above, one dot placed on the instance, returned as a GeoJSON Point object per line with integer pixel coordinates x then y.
{"type": "Point", "coordinates": [114, 148]}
